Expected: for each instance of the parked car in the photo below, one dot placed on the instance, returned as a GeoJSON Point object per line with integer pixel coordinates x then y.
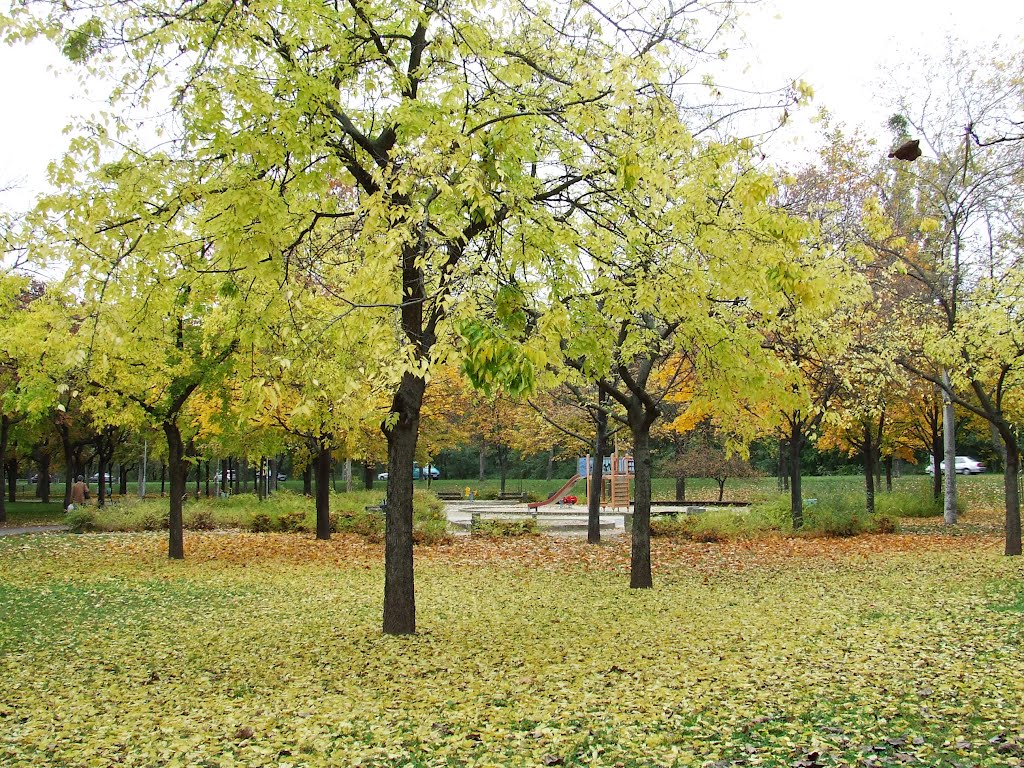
{"type": "Point", "coordinates": [230, 474]}
{"type": "Point", "coordinates": [965, 465]}
{"type": "Point", "coordinates": [418, 472]}
{"type": "Point", "coordinates": [107, 477]}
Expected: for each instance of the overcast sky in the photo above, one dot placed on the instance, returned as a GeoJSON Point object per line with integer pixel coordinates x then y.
{"type": "Point", "coordinates": [840, 48]}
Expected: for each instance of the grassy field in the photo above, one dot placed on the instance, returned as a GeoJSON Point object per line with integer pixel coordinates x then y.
{"type": "Point", "coordinates": [265, 650]}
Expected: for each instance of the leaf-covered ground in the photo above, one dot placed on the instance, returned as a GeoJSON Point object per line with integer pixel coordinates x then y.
{"type": "Point", "coordinates": [266, 650]}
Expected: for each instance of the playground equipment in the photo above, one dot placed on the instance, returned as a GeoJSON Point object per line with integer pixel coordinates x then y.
{"type": "Point", "coordinates": [616, 476]}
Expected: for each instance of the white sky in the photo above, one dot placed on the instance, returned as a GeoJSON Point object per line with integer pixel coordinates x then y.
{"type": "Point", "coordinates": [839, 46]}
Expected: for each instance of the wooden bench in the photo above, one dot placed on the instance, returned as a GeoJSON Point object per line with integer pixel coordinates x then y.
{"type": "Point", "coordinates": [449, 495]}
{"type": "Point", "coordinates": [512, 497]}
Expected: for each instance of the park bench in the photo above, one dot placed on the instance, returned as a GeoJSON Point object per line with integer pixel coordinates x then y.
{"type": "Point", "coordinates": [449, 495]}
{"type": "Point", "coordinates": [512, 497]}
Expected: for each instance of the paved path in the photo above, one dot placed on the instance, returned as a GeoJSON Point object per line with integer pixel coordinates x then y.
{"type": "Point", "coordinates": [32, 529]}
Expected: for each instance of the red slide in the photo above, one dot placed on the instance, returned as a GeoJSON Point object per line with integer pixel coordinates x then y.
{"type": "Point", "coordinates": [557, 494]}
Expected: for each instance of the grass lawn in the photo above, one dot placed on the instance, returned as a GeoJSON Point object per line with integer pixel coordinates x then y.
{"type": "Point", "coordinates": [21, 513]}
{"type": "Point", "coordinates": [265, 649]}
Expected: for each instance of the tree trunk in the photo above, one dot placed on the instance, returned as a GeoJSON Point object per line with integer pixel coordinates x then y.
{"type": "Point", "coordinates": [868, 452]}
{"type": "Point", "coordinates": [550, 473]}
{"type": "Point", "coordinates": [348, 475]}
{"type": "Point", "coordinates": [177, 470]}
{"type": "Point", "coordinates": [399, 587]}
{"type": "Point", "coordinates": [681, 488]}
{"type": "Point", "coordinates": [888, 474]}
{"type": "Point", "coordinates": [69, 462]}
{"type": "Point", "coordinates": [43, 463]}
{"type": "Point", "coordinates": [783, 466]}
{"type": "Point", "coordinates": [323, 491]}
{"type": "Point", "coordinates": [1011, 486]}
{"type": "Point", "coordinates": [307, 480]}
{"type": "Point", "coordinates": [936, 458]}
{"type": "Point", "coordinates": [12, 480]}
{"type": "Point", "coordinates": [261, 474]}
{"type": "Point", "coordinates": [163, 478]}
{"type": "Point", "coordinates": [502, 467]}
{"type": "Point", "coordinates": [369, 469]}
{"type": "Point", "coordinates": [206, 479]}
{"type": "Point", "coordinates": [640, 561]}
{"type": "Point", "coordinates": [101, 481]}
{"type": "Point", "coordinates": [483, 460]}
{"type": "Point", "coordinates": [796, 499]}
{"type": "Point", "coordinates": [949, 445]}
{"type": "Point", "coordinates": [5, 430]}
{"type": "Point", "coordinates": [596, 479]}
{"type": "Point", "coordinates": [122, 480]}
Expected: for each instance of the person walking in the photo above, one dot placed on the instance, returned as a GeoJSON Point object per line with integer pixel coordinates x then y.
{"type": "Point", "coordinates": [79, 493]}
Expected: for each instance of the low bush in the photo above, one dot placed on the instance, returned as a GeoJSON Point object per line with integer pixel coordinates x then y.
{"type": "Point", "coordinates": [200, 520]}
{"type": "Point", "coordinates": [293, 521]}
{"type": "Point", "coordinates": [261, 523]}
{"type": "Point", "coordinates": [499, 529]}
{"type": "Point", "coordinates": [80, 520]}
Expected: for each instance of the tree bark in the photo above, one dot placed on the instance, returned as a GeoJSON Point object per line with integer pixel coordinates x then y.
{"type": "Point", "coordinates": [796, 499]}
{"type": "Point", "coordinates": [888, 474]}
{"type": "Point", "coordinates": [483, 461]}
{"type": "Point", "coordinates": [550, 472]}
{"type": "Point", "coordinates": [69, 462]}
{"type": "Point", "coordinates": [936, 458]}
{"type": "Point", "coordinates": [868, 452]}
{"type": "Point", "coordinates": [640, 560]}
{"type": "Point", "coordinates": [681, 488]}
{"type": "Point", "coordinates": [783, 466]}
{"type": "Point", "coordinates": [323, 490]}
{"type": "Point", "coordinates": [399, 587]}
{"type": "Point", "coordinates": [1011, 485]}
{"type": "Point", "coordinates": [596, 480]}
{"type": "Point", "coordinates": [177, 470]}
{"type": "Point", "coordinates": [43, 462]}
{"type": "Point", "coordinates": [369, 469]}
{"type": "Point", "coordinates": [5, 430]}
{"type": "Point", "coordinates": [12, 480]}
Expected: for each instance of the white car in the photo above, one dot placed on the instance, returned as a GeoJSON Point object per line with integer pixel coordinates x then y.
{"type": "Point", "coordinates": [965, 465]}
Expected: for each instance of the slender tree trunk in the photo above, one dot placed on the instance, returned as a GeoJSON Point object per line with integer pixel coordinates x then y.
{"type": "Point", "coordinates": [261, 479]}
{"type": "Point", "coordinates": [369, 470]}
{"type": "Point", "coordinates": [597, 470]}
{"type": "Point", "coordinates": [502, 466]}
{"type": "Point", "coordinates": [69, 462]}
{"type": "Point", "coordinates": [307, 480]}
{"type": "Point", "coordinates": [868, 452]}
{"type": "Point", "coordinates": [163, 478]}
{"type": "Point", "coordinates": [12, 480]}
{"type": "Point", "coordinates": [348, 475]}
{"type": "Point", "coordinates": [949, 445]}
{"type": "Point", "coordinates": [783, 465]}
{"type": "Point", "coordinates": [550, 465]}
{"type": "Point", "coordinates": [640, 561]}
{"type": "Point", "coordinates": [681, 488]}
{"type": "Point", "coordinates": [721, 487]}
{"type": "Point", "coordinates": [399, 587]}
{"type": "Point", "coordinates": [43, 463]}
{"type": "Point", "coordinates": [122, 479]}
{"type": "Point", "coordinates": [177, 470]}
{"type": "Point", "coordinates": [323, 491]}
{"type": "Point", "coordinates": [101, 493]}
{"type": "Point", "coordinates": [206, 478]}
{"type": "Point", "coordinates": [5, 431]}
{"type": "Point", "coordinates": [796, 499]}
{"type": "Point", "coordinates": [936, 458]}
{"type": "Point", "coordinates": [888, 474]}
{"type": "Point", "coordinates": [1011, 470]}
{"type": "Point", "coordinates": [483, 460]}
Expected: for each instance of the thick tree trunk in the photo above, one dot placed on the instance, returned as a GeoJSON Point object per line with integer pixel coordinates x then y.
{"type": "Point", "coordinates": [681, 488]}
{"type": "Point", "coordinates": [177, 470]}
{"type": "Point", "coordinates": [369, 470]}
{"type": "Point", "coordinates": [640, 560]}
{"type": "Point", "coordinates": [399, 587]}
{"type": "Point", "coordinates": [868, 452]}
{"type": "Point", "coordinates": [796, 499]}
{"type": "Point", "coordinates": [597, 471]}
{"type": "Point", "coordinates": [1011, 470]}
{"type": "Point", "coordinates": [122, 480]}
{"type": "Point", "coordinates": [323, 491]}
{"type": "Point", "coordinates": [5, 430]}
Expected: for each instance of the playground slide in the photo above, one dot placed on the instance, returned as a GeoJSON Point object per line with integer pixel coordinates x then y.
{"type": "Point", "coordinates": [557, 494]}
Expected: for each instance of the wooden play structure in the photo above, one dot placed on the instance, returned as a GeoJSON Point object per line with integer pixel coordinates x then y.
{"type": "Point", "coordinates": [616, 476]}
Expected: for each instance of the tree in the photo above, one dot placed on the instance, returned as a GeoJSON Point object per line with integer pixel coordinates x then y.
{"type": "Point", "coordinates": [963, 245]}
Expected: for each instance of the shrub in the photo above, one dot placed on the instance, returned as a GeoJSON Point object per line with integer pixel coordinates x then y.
{"type": "Point", "coordinates": [80, 520]}
{"type": "Point", "coordinates": [430, 533]}
{"type": "Point", "coordinates": [200, 520]}
{"type": "Point", "coordinates": [261, 523]}
{"type": "Point", "coordinates": [292, 522]}
{"type": "Point", "coordinates": [506, 528]}
{"type": "Point", "coordinates": [885, 524]}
